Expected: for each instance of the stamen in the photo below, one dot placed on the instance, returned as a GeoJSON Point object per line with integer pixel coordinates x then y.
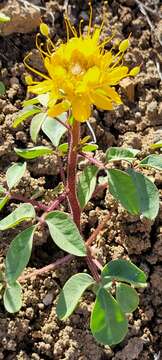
{"type": "Point", "coordinates": [80, 27]}
{"type": "Point", "coordinates": [48, 49]}
{"type": "Point", "coordinates": [72, 28]}
{"type": "Point", "coordinates": [32, 69]}
{"type": "Point", "coordinates": [67, 28]}
{"type": "Point", "coordinates": [90, 18]}
{"type": "Point", "coordinates": [42, 52]}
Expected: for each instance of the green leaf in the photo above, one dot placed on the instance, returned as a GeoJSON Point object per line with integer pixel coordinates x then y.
{"type": "Point", "coordinates": [122, 188]}
{"type": "Point", "coordinates": [135, 192]}
{"type": "Point", "coordinates": [53, 129]}
{"type": "Point", "coordinates": [3, 201]}
{"type": "Point", "coordinates": [15, 173]}
{"type": "Point", "coordinates": [127, 298]}
{"type": "Point", "coordinates": [123, 270]}
{"type": "Point", "coordinates": [25, 113]}
{"type": "Point", "coordinates": [13, 297]}
{"type": "Point", "coordinates": [147, 193]}
{"type": "Point", "coordinates": [4, 18]}
{"type": "Point", "coordinates": [2, 189]}
{"type": "Point", "coordinates": [63, 148]}
{"type": "Point", "coordinates": [71, 293]}
{"type": "Point", "coordinates": [2, 88]}
{"type": "Point", "coordinates": [65, 234]}
{"type": "Point", "coordinates": [35, 152]}
{"type": "Point", "coordinates": [89, 147]}
{"type": "Point", "coordinates": [18, 254]}
{"type": "Point", "coordinates": [157, 145]}
{"type": "Point", "coordinates": [1, 287]}
{"type": "Point", "coordinates": [36, 124]}
{"type": "Point", "coordinates": [23, 213]}
{"type": "Point", "coordinates": [118, 153]}
{"type": "Point", "coordinates": [86, 184]}
{"type": "Point", "coordinates": [32, 101]}
{"type": "Point", "coordinates": [152, 161]}
{"type": "Point", "coordinates": [108, 322]}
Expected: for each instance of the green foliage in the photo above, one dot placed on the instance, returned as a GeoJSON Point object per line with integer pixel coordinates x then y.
{"type": "Point", "coordinates": [86, 184]}
{"type": "Point", "coordinates": [157, 145]}
{"type": "Point", "coordinates": [53, 129]}
{"type": "Point", "coordinates": [127, 297]}
{"type": "Point", "coordinates": [63, 148]}
{"type": "Point", "coordinates": [123, 270]}
{"type": "Point", "coordinates": [2, 87]}
{"type": "Point", "coordinates": [33, 153]}
{"type": "Point", "coordinates": [36, 124]}
{"type": "Point", "coordinates": [135, 192]}
{"type": "Point", "coordinates": [15, 173]}
{"type": "Point", "coordinates": [71, 294]}
{"type": "Point", "coordinates": [89, 147]}
{"type": "Point", "coordinates": [12, 297]}
{"type": "Point", "coordinates": [24, 212]}
{"type": "Point", "coordinates": [108, 322]}
{"type": "Point", "coordinates": [18, 254]}
{"type": "Point", "coordinates": [4, 18]}
{"type": "Point", "coordinates": [152, 161]}
{"type": "Point", "coordinates": [3, 201]}
{"type": "Point", "coordinates": [65, 233]}
{"type": "Point", "coordinates": [25, 113]}
{"type": "Point", "coordinates": [2, 190]}
{"type": "Point", "coordinates": [117, 153]}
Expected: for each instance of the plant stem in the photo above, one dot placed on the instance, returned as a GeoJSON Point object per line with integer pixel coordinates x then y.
{"type": "Point", "coordinates": [55, 204]}
{"type": "Point", "coordinates": [35, 203]}
{"type": "Point", "coordinates": [94, 161]}
{"type": "Point", "coordinates": [47, 268]}
{"type": "Point", "coordinates": [71, 173]}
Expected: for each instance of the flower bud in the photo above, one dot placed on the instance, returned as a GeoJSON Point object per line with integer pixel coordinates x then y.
{"type": "Point", "coordinates": [124, 45]}
{"type": "Point", "coordinates": [44, 29]}
{"type": "Point", "coordinates": [134, 71]}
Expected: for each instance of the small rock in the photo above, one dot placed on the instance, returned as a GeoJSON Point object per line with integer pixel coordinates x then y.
{"type": "Point", "coordinates": [48, 298]}
{"type": "Point", "coordinates": [152, 111]}
{"type": "Point", "coordinates": [24, 19]}
{"type": "Point", "coordinates": [128, 86]}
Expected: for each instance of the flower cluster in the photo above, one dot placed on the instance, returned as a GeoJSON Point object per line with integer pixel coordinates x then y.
{"type": "Point", "coordinates": [79, 73]}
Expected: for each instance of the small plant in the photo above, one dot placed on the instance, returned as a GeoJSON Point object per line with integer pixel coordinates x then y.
{"type": "Point", "coordinates": [79, 74]}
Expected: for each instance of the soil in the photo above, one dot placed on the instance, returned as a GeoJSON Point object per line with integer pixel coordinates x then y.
{"type": "Point", "coordinates": [35, 333]}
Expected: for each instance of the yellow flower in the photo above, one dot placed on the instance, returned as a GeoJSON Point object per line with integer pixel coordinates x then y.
{"type": "Point", "coordinates": [79, 73]}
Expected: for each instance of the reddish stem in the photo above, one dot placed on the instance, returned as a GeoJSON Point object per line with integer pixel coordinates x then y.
{"type": "Point", "coordinates": [55, 204]}
{"type": "Point", "coordinates": [71, 173]}
{"type": "Point", "coordinates": [94, 161]}
{"type": "Point", "coordinates": [47, 268]}
{"type": "Point", "coordinates": [35, 203]}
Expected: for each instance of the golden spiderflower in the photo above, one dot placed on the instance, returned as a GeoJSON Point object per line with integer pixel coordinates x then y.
{"type": "Point", "coordinates": [79, 73]}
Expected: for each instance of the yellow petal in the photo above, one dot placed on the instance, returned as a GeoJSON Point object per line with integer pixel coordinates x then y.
{"type": "Point", "coordinates": [81, 108]}
{"type": "Point", "coordinates": [59, 108]}
{"type": "Point", "coordinates": [116, 75]}
{"type": "Point", "coordinates": [112, 94]}
{"type": "Point", "coordinates": [92, 75]}
{"type": "Point", "coordinates": [41, 88]}
{"type": "Point", "coordinates": [101, 101]}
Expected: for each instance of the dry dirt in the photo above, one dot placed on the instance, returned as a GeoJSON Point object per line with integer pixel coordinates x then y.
{"type": "Point", "coordinates": [35, 333]}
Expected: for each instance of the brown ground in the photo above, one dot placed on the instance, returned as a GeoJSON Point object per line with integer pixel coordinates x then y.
{"type": "Point", "coordinates": [35, 332]}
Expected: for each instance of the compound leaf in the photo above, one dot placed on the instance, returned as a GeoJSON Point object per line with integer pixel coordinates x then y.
{"type": "Point", "coordinates": [33, 153]}
{"type": "Point", "coordinates": [118, 153]}
{"type": "Point", "coordinates": [86, 184]}
{"type": "Point", "coordinates": [123, 270]}
{"type": "Point", "coordinates": [127, 297]}
{"type": "Point", "coordinates": [15, 173]}
{"type": "Point", "coordinates": [65, 233]}
{"type": "Point", "coordinates": [36, 124]}
{"type": "Point", "coordinates": [22, 213]}
{"type": "Point", "coordinates": [108, 322]}
{"type": "Point", "coordinates": [18, 254]}
{"type": "Point", "coordinates": [71, 293]}
{"type": "Point", "coordinates": [53, 129]}
{"type": "Point", "coordinates": [152, 161]}
{"type": "Point", "coordinates": [13, 297]}
{"type": "Point", "coordinates": [25, 113]}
